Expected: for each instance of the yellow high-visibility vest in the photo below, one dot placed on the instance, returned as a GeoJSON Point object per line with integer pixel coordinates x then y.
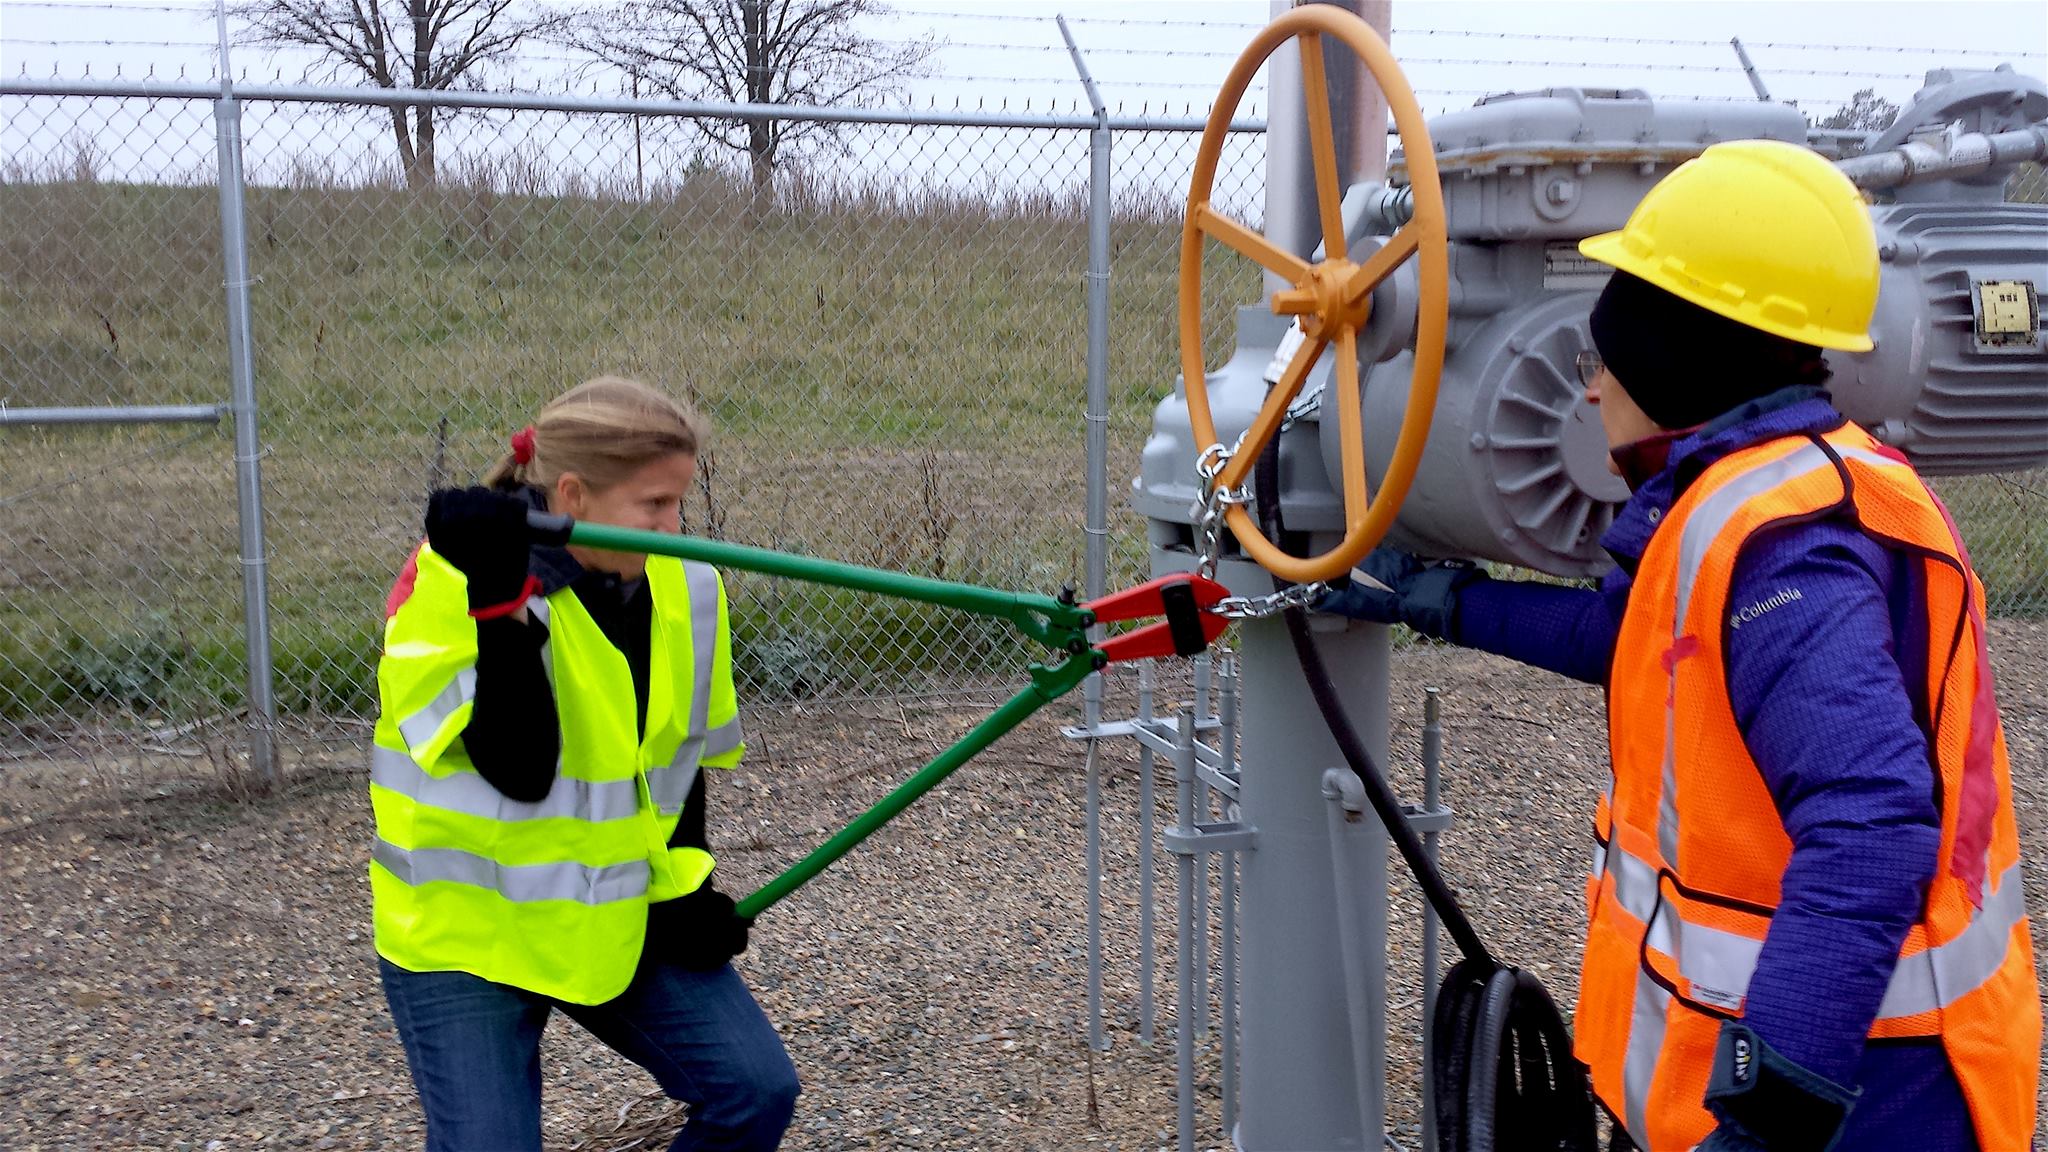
{"type": "Point", "coordinates": [549, 896]}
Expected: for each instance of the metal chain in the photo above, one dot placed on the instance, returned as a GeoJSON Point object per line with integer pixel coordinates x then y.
{"type": "Point", "coordinates": [1308, 403]}
{"type": "Point", "coordinates": [1272, 604]}
{"type": "Point", "coordinates": [1210, 509]}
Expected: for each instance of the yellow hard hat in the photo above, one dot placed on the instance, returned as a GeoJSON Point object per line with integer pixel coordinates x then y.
{"type": "Point", "coordinates": [1763, 232]}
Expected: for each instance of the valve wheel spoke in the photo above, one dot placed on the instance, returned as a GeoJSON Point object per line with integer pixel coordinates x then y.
{"type": "Point", "coordinates": [1267, 254]}
{"type": "Point", "coordinates": [1322, 144]}
{"type": "Point", "coordinates": [1274, 412]}
{"type": "Point", "coordinates": [1381, 264]}
{"type": "Point", "coordinates": [1351, 433]}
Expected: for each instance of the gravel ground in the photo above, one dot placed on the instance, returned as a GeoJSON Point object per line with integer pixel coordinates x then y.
{"type": "Point", "coordinates": [193, 972]}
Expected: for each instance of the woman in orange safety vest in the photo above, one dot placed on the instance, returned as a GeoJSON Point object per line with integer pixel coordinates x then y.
{"type": "Point", "coordinates": [1807, 931]}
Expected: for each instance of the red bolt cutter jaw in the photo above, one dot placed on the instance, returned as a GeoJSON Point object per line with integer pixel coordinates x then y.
{"type": "Point", "coordinates": [1187, 601]}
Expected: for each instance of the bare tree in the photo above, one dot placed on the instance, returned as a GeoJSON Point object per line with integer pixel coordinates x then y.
{"type": "Point", "coordinates": [787, 52]}
{"type": "Point", "coordinates": [432, 45]}
{"type": "Point", "coordinates": [1866, 111]}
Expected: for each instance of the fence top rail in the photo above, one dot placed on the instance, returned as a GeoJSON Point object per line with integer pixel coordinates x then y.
{"type": "Point", "coordinates": [539, 102]}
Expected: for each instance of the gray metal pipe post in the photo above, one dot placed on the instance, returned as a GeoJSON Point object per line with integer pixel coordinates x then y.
{"type": "Point", "coordinates": [1364, 1014]}
{"type": "Point", "coordinates": [1097, 529]}
{"type": "Point", "coordinates": [227, 114]}
{"type": "Point", "coordinates": [1146, 804]}
{"type": "Point", "coordinates": [1199, 893]}
{"type": "Point", "coordinates": [1226, 760]}
{"type": "Point", "coordinates": [117, 414]}
{"type": "Point", "coordinates": [1183, 1032]}
{"type": "Point", "coordinates": [1432, 795]}
{"type": "Point", "coordinates": [1299, 1087]}
{"type": "Point", "coordinates": [1092, 709]}
{"type": "Point", "coordinates": [1756, 82]}
{"type": "Point", "coordinates": [1358, 113]}
{"type": "Point", "coordinates": [1300, 1083]}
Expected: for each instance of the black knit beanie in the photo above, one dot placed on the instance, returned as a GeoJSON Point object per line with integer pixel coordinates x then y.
{"type": "Point", "coordinates": [1684, 365]}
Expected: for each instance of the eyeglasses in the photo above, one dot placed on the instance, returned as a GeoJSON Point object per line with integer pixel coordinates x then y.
{"type": "Point", "coordinates": [1589, 365]}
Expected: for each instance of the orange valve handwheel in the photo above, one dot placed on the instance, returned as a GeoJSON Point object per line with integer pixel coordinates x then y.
{"type": "Point", "coordinates": [1331, 299]}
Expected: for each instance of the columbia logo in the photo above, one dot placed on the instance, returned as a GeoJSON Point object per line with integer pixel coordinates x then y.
{"type": "Point", "coordinates": [1755, 611]}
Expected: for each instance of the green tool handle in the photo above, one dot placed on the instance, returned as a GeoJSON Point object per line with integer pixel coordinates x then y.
{"type": "Point", "coordinates": [1048, 685]}
{"type": "Point", "coordinates": [1017, 607]}
{"type": "Point", "coordinates": [1057, 623]}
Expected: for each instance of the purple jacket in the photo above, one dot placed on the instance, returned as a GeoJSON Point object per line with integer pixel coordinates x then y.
{"type": "Point", "coordinates": [1828, 687]}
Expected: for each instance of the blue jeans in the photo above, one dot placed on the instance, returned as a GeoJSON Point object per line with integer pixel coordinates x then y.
{"type": "Point", "coordinates": [474, 1050]}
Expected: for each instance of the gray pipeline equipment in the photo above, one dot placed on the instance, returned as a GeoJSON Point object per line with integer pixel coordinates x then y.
{"type": "Point", "coordinates": [1516, 467]}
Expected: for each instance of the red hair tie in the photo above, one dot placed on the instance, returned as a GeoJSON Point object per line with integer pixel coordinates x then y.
{"type": "Point", "coordinates": [522, 446]}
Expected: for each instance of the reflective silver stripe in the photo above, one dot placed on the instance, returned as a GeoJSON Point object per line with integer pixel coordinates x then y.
{"type": "Point", "coordinates": [520, 883]}
{"type": "Point", "coordinates": [1635, 883]}
{"type": "Point", "coordinates": [420, 727]}
{"type": "Point", "coordinates": [1702, 528]}
{"type": "Point", "coordinates": [723, 739]}
{"type": "Point", "coordinates": [1720, 964]}
{"type": "Point", "coordinates": [1667, 795]}
{"type": "Point", "coordinates": [470, 794]}
{"type": "Point", "coordinates": [1716, 964]}
{"type": "Point", "coordinates": [702, 580]}
{"type": "Point", "coordinates": [1599, 867]}
{"type": "Point", "coordinates": [669, 786]}
{"type": "Point", "coordinates": [1645, 1044]}
{"type": "Point", "coordinates": [1938, 977]}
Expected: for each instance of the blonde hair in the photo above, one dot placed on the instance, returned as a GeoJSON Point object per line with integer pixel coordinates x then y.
{"type": "Point", "coordinates": [604, 430]}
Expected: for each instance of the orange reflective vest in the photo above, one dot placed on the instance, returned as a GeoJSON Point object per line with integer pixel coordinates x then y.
{"type": "Point", "coordinates": [1691, 849]}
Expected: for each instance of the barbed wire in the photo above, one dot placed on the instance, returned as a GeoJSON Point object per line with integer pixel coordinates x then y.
{"type": "Point", "coordinates": [200, 7]}
{"type": "Point", "coordinates": [1671, 41]}
{"type": "Point", "coordinates": [1178, 53]}
{"type": "Point", "coordinates": [530, 57]}
{"type": "Point", "coordinates": [50, 43]}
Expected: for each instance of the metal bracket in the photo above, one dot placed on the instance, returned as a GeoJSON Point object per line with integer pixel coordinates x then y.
{"type": "Point", "coordinates": [1158, 735]}
{"type": "Point", "coordinates": [1436, 819]}
{"type": "Point", "coordinates": [1342, 788]}
{"type": "Point", "coordinates": [1227, 837]}
{"type": "Point", "coordinates": [1113, 728]}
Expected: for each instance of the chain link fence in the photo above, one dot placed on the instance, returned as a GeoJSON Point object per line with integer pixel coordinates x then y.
{"type": "Point", "coordinates": [890, 346]}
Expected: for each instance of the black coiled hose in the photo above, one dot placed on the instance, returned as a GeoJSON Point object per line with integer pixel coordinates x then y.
{"type": "Point", "coordinates": [1501, 1061]}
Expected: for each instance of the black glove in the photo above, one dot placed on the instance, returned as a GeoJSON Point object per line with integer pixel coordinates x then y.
{"type": "Point", "coordinates": [482, 532]}
{"type": "Point", "coordinates": [700, 931]}
{"type": "Point", "coordinates": [1422, 596]}
{"type": "Point", "coordinates": [1765, 1101]}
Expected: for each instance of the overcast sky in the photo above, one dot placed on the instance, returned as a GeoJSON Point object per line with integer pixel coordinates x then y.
{"type": "Point", "coordinates": [1150, 56]}
{"type": "Point", "coordinates": [1160, 52]}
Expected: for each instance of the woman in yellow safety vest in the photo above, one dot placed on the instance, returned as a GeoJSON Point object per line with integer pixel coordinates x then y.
{"type": "Point", "coordinates": [544, 714]}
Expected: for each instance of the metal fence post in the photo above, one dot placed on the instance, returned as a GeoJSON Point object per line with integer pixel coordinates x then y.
{"type": "Point", "coordinates": [1186, 980]}
{"type": "Point", "coordinates": [227, 114]}
{"type": "Point", "coordinates": [1146, 808]}
{"type": "Point", "coordinates": [1226, 761]}
{"type": "Point", "coordinates": [1432, 794]}
{"type": "Point", "coordinates": [1097, 529]}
